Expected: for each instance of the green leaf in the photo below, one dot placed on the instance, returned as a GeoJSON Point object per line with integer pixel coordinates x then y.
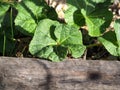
{"type": "Point", "coordinates": [73, 15]}
{"type": "Point", "coordinates": [43, 40]}
{"type": "Point", "coordinates": [29, 14]}
{"type": "Point", "coordinates": [3, 9]}
{"type": "Point", "coordinates": [53, 41]}
{"type": "Point", "coordinates": [117, 30]}
{"type": "Point", "coordinates": [70, 37]}
{"type": "Point", "coordinates": [111, 40]}
{"type": "Point", "coordinates": [93, 12]}
{"type": "Point", "coordinates": [97, 22]}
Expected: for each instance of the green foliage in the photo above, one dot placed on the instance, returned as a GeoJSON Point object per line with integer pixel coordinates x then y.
{"type": "Point", "coordinates": [93, 12]}
{"type": "Point", "coordinates": [6, 42]}
{"type": "Point", "coordinates": [53, 41]}
{"type": "Point", "coordinates": [29, 14]}
{"type": "Point", "coordinates": [111, 40]}
{"type": "Point", "coordinates": [51, 38]}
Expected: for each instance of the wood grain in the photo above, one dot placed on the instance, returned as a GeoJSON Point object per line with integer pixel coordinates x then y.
{"type": "Point", "coordinates": [37, 74]}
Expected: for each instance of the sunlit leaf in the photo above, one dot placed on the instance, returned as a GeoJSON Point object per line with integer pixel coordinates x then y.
{"type": "Point", "coordinates": [29, 13]}
{"type": "Point", "coordinates": [54, 41]}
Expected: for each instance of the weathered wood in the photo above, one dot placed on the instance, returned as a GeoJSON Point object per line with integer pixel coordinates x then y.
{"type": "Point", "coordinates": [36, 74]}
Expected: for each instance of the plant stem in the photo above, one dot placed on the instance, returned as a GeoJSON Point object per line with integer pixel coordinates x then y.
{"type": "Point", "coordinates": [93, 45]}
{"type": "Point", "coordinates": [11, 22]}
{"type": "Point", "coordinates": [4, 44]}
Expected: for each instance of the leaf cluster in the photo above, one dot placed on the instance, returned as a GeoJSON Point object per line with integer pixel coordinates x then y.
{"type": "Point", "coordinates": [53, 39]}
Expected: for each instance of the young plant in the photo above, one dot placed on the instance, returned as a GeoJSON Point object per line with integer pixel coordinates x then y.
{"type": "Point", "coordinates": [54, 40]}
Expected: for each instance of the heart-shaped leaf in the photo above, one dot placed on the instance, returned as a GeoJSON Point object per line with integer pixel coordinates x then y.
{"type": "Point", "coordinates": [54, 41]}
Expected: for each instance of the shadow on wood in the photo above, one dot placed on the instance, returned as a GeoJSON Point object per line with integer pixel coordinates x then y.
{"type": "Point", "coordinates": [36, 74]}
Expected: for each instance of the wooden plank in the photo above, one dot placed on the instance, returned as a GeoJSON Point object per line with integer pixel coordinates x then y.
{"type": "Point", "coordinates": [36, 74]}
